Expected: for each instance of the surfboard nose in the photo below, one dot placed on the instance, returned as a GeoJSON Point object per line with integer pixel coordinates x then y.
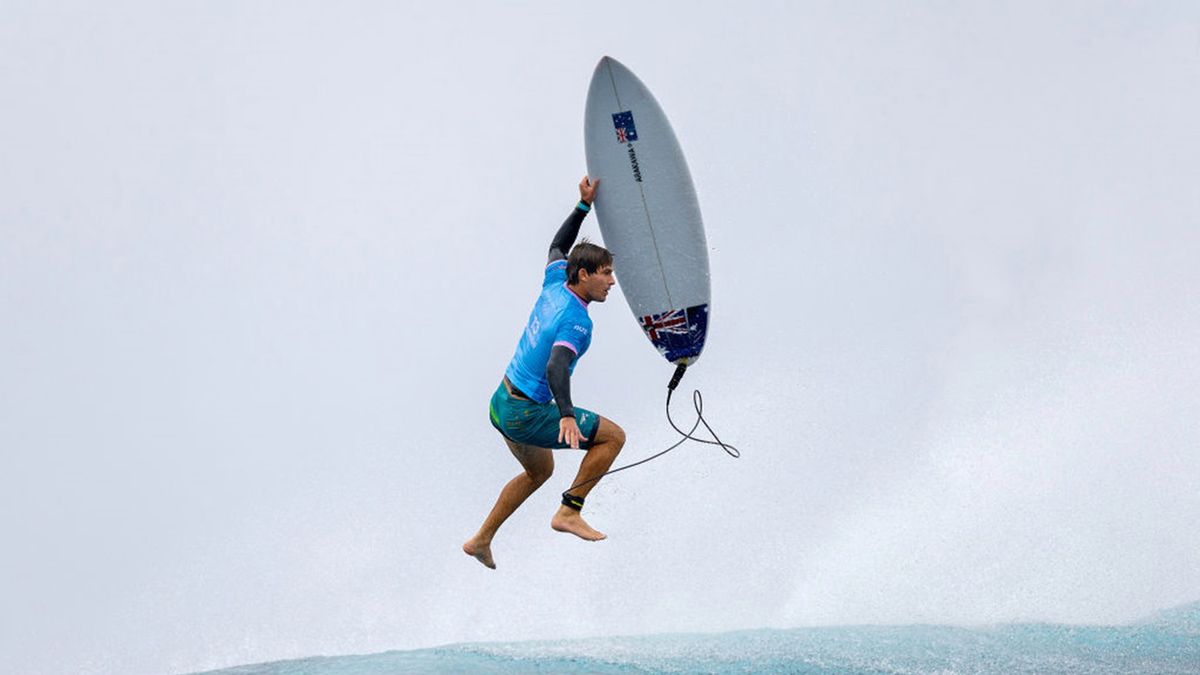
{"type": "Point", "coordinates": [607, 61]}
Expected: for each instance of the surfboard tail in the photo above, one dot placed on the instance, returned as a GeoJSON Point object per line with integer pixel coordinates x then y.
{"type": "Point", "coordinates": [678, 334]}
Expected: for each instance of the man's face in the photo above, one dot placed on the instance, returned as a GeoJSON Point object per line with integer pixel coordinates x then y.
{"type": "Point", "coordinates": [596, 285]}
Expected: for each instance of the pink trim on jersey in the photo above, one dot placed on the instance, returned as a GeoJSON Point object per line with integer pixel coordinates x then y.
{"type": "Point", "coordinates": [576, 296]}
{"type": "Point", "coordinates": [568, 345]}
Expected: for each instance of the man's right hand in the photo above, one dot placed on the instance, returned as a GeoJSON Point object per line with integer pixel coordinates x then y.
{"type": "Point", "coordinates": [568, 432]}
{"type": "Point", "coordinates": [587, 190]}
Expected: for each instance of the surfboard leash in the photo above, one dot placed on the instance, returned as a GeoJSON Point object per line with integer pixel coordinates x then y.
{"type": "Point", "coordinates": [698, 404]}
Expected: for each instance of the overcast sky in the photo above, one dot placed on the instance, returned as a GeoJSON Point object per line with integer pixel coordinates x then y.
{"type": "Point", "coordinates": [262, 265]}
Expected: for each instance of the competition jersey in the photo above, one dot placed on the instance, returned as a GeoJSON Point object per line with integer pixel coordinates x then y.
{"type": "Point", "coordinates": [559, 318]}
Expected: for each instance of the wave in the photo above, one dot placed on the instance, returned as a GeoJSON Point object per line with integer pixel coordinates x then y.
{"type": "Point", "coordinates": [1168, 642]}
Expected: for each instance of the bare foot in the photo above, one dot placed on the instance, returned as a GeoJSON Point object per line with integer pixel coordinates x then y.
{"type": "Point", "coordinates": [569, 520]}
{"type": "Point", "coordinates": [479, 551]}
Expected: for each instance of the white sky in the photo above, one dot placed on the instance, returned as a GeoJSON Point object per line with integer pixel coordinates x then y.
{"type": "Point", "coordinates": [262, 264]}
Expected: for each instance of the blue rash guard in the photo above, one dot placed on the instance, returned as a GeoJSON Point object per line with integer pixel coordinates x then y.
{"type": "Point", "coordinates": [559, 318]}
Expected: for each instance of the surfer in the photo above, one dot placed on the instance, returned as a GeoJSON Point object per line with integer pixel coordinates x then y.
{"type": "Point", "coordinates": [531, 408]}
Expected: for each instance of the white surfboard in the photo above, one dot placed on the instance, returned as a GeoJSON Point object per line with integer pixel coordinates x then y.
{"type": "Point", "coordinates": [648, 213]}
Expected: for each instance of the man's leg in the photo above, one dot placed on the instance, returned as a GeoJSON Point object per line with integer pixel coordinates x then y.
{"type": "Point", "coordinates": [539, 464]}
{"type": "Point", "coordinates": [610, 438]}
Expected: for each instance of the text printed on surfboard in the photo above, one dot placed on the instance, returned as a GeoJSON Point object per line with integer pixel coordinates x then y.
{"type": "Point", "coordinates": [626, 134]}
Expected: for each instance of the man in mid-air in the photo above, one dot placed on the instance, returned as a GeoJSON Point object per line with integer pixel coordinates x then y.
{"type": "Point", "coordinates": [532, 407]}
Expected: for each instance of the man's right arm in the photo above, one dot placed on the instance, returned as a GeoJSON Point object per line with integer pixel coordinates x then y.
{"type": "Point", "coordinates": [558, 376]}
{"type": "Point", "coordinates": [564, 239]}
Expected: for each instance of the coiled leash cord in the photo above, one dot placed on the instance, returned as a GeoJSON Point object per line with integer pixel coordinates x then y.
{"type": "Point", "coordinates": [698, 403]}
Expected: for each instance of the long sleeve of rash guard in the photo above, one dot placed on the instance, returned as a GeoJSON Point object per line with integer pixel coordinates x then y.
{"type": "Point", "coordinates": [558, 376]}
{"type": "Point", "coordinates": [565, 237]}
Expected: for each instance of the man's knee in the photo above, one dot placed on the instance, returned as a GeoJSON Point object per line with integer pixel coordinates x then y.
{"type": "Point", "coordinates": [540, 474]}
{"type": "Point", "coordinates": [537, 462]}
{"type": "Point", "coordinates": [612, 433]}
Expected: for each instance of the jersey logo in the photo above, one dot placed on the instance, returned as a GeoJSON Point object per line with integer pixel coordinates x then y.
{"type": "Point", "coordinates": [626, 131]}
{"type": "Point", "coordinates": [532, 331]}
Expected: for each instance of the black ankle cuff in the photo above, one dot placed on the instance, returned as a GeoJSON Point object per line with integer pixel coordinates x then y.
{"type": "Point", "coordinates": [573, 502]}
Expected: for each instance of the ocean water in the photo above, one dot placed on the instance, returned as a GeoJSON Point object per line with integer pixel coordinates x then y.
{"type": "Point", "coordinates": [1167, 643]}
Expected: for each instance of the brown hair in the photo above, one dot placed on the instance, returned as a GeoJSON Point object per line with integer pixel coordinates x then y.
{"type": "Point", "coordinates": [588, 256]}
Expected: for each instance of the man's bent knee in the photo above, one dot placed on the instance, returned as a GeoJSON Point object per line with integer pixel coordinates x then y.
{"type": "Point", "coordinates": [540, 475]}
{"type": "Point", "coordinates": [540, 471]}
{"type": "Point", "coordinates": [610, 432]}
{"type": "Point", "coordinates": [537, 462]}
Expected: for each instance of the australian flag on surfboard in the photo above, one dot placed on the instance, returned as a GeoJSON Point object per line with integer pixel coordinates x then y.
{"type": "Point", "coordinates": [678, 334]}
{"type": "Point", "coordinates": [626, 131]}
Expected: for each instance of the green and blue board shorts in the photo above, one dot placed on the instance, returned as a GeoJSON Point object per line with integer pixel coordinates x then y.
{"type": "Point", "coordinates": [531, 423]}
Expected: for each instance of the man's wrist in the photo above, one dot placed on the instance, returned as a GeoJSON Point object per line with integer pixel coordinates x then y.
{"type": "Point", "coordinates": [584, 205]}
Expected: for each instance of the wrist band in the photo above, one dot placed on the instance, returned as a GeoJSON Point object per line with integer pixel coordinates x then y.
{"type": "Point", "coordinates": [583, 206]}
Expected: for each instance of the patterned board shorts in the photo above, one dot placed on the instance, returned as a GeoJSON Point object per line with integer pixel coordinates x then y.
{"type": "Point", "coordinates": [531, 423]}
